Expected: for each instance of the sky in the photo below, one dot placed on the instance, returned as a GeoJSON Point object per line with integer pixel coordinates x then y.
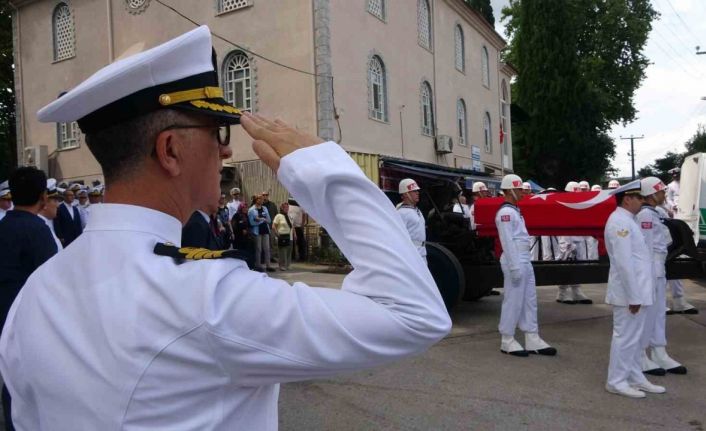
{"type": "Point", "coordinates": [669, 101]}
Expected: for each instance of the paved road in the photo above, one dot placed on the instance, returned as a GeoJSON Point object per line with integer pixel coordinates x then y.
{"type": "Point", "coordinates": [465, 383]}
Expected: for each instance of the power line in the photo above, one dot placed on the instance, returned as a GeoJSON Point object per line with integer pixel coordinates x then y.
{"type": "Point", "coordinates": [686, 61]}
{"type": "Point", "coordinates": [688, 48]}
{"type": "Point", "coordinates": [696, 38]}
{"type": "Point", "coordinates": [253, 53]}
{"type": "Point", "coordinates": [677, 63]}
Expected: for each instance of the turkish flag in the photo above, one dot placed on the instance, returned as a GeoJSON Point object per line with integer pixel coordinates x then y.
{"type": "Point", "coordinates": [553, 214]}
{"type": "Point", "coordinates": [502, 135]}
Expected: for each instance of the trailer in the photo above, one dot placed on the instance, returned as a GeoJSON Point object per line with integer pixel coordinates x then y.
{"type": "Point", "coordinates": [465, 264]}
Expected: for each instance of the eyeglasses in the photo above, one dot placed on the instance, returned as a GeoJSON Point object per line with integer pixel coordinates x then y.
{"type": "Point", "coordinates": [222, 131]}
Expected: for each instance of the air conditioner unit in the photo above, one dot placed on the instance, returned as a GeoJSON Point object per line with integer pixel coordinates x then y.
{"type": "Point", "coordinates": [36, 156]}
{"type": "Point", "coordinates": [444, 144]}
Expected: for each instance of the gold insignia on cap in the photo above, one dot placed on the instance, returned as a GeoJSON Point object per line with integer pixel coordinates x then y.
{"type": "Point", "coordinates": [215, 107]}
{"type": "Point", "coordinates": [165, 100]}
{"type": "Point", "coordinates": [623, 233]}
{"type": "Point", "coordinates": [189, 95]}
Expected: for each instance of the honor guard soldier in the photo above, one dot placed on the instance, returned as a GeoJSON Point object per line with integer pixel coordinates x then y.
{"type": "Point", "coordinates": [658, 240]}
{"type": "Point", "coordinates": [519, 291]}
{"type": "Point", "coordinates": [613, 184]}
{"type": "Point", "coordinates": [479, 191]}
{"type": "Point", "coordinates": [630, 291]}
{"type": "Point", "coordinates": [572, 248]}
{"type": "Point", "coordinates": [147, 335]}
{"type": "Point", "coordinates": [411, 215]}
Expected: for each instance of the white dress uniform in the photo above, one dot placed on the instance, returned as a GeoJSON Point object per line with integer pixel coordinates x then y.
{"type": "Point", "coordinates": [672, 198]}
{"type": "Point", "coordinates": [203, 345]}
{"type": "Point", "coordinates": [676, 287]}
{"type": "Point", "coordinates": [50, 224]}
{"type": "Point", "coordinates": [466, 211]}
{"type": "Point", "coordinates": [416, 226]}
{"type": "Point", "coordinates": [629, 283]}
{"type": "Point", "coordinates": [519, 291]}
{"type": "Point", "coordinates": [84, 211]}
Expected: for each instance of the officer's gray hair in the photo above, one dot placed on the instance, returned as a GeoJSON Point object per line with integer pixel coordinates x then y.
{"type": "Point", "coordinates": [122, 149]}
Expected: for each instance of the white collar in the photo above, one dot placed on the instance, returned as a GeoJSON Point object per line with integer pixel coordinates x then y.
{"type": "Point", "coordinates": [120, 217]}
{"type": "Point", "coordinates": [626, 212]}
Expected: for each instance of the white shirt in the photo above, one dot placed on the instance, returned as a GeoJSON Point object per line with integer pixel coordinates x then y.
{"type": "Point", "coordinates": [70, 208]}
{"type": "Point", "coordinates": [296, 215]}
{"type": "Point", "coordinates": [416, 227]}
{"type": "Point", "coordinates": [83, 212]}
{"type": "Point", "coordinates": [50, 224]}
{"type": "Point", "coordinates": [673, 195]}
{"type": "Point", "coordinates": [513, 236]}
{"type": "Point", "coordinates": [630, 278]}
{"type": "Point", "coordinates": [657, 237]}
{"type": "Point", "coordinates": [203, 345]}
{"type": "Point", "coordinates": [233, 208]}
{"type": "Point", "coordinates": [466, 211]}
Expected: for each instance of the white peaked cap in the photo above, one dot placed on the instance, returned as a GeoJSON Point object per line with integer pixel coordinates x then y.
{"type": "Point", "coordinates": [596, 188]}
{"type": "Point", "coordinates": [651, 185]}
{"type": "Point", "coordinates": [154, 79]}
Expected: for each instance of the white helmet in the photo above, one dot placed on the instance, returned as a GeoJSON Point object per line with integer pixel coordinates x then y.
{"type": "Point", "coordinates": [511, 181]}
{"type": "Point", "coordinates": [408, 185]}
{"type": "Point", "coordinates": [479, 186]}
{"type": "Point", "coordinates": [571, 186]}
{"type": "Point", "coordinates": [526, 186]}
{"type": "Point", "coordinates": [596, 188]}
{"type": "Point", "coordinates": [651, 185]}
{"type": "Point", "coordinates": [584, 186]}
{"type": "Point", "coordinates": [613, 184]}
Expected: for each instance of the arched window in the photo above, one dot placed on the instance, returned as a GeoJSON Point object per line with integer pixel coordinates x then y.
{"type": "Point", "coordinates": [485, 66]}
{"type": "Point", "coordinates": [504, 112]}
{"type": "Point", "coordinates": [460, 49]}
{"type": "Point", "coordinates": [63, 31]}
{"type": "Point", "coordinates": [237, 82]}
{"type": "Point", "coordinates": [67, 135]}
{"type": "Point", "coordinates": [487, 133]}
{"type": "Point", "coordinates": [377, 8]}
{"type": "Point", "coordinates": [461, 122]}
{"type": "Point", "coordinates": [427, 109]}
{"type": "Point", "coordinates": [424, 23]}
{"type": "Point", "coordinates": [377, 89]}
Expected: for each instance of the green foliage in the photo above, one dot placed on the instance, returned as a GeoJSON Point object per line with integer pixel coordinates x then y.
{"type": "Point", "coordinates": [697, 143]}
{"type": "Point", "coordinates": [579, 64]}
{"type": "Point", "coordinates": [484, 8]}
{"type": "Point", "coordinates": [8, 138]}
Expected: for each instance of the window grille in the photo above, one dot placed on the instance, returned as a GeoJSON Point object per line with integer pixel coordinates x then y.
{"type": "Point", "coordinates": [461, 121]}
{"type": "Point", "coordinates": [424, 23]}
{"type": "Point", "coordinates": [63, 29]}
{"type": "Point", "coordinates": [237, 82]}
{"type": "Point", "coordinates": [68, 135]}
{"type": "Point", "coordinates": [427, 110]}
{"type": "Point", "coordinates": [460, 51]}
{"type": "Point", "coordinates": [377, 8]}
{"type": "Point", "coordinates": [485, 64]}
{"type": "Point", "coordinates": [487, 134]}
{"type": "Point", "coordinates": [377, 87]}
{"type": "Point", "coordinates": [229, 5]}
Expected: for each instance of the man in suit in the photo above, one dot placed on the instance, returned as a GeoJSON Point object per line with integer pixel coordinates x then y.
{"type": "Point", "coordinates": [67, 223]}
{"type": "Point", "coordinates": [201, 230]}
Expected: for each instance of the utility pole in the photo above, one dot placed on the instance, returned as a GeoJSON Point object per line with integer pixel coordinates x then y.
{"type": "Point", "coordinates": [632, 151]}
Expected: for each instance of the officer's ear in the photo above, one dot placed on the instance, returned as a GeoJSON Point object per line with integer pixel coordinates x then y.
{"type": "Point", "coordinates": [168, 153]}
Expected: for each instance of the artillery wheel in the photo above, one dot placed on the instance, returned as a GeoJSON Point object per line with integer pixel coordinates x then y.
{"type": "Point", "coordinates": [447, 272]}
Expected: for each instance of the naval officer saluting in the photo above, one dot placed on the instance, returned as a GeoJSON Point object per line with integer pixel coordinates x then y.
{"type": "Point", "coordinates": [630, 291]}
{"type": "Point", "coordinates": [172, 343]}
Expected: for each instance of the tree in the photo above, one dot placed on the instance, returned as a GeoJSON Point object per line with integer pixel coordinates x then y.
{"type": "Point", "coordinates": [579, 65]}
{"type": "Point", "coordinates": [662, 165]}
{"type": "Point", "coordinates": [697, 143]}
{"type": "Point", "coordinates": [484, 8]}
{"type": "Point", "coordinates": [8, 137]}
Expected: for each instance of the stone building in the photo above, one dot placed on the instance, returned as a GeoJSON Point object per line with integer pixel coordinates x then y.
{"type": "Point", "coordinates": [418, 82]}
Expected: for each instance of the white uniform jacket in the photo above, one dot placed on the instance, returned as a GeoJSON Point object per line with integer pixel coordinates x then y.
{"type": "Point", "coordinates": [131, 340]}
{"type": "Point", "coordinates": [630, 279]}
{"type": "Point", "coordinates": [513, 236]}
{"type": "Point", "coordinates": [672, 200]}
{"type": "Point", "coordinates": [50, 225]}
{"type": "Point", "coordinates": [416, 227]}
{"type": "Point", "coordinates": [657, 237]}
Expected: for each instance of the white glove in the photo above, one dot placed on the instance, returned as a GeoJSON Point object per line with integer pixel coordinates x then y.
{"type": "Point", "coordinates": [516, 275]}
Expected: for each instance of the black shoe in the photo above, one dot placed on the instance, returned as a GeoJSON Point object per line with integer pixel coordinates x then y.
{"type": "Point", "coordinates": [494, 293]}
{"type": "Point", "coordinates": [547, 351]}
{"type": "Point", "coordinates": [570, 302]}
{"type": "Point", "coordinates": [677, 370]}
{"type": "Point", "coordinates": [656, 372]}
{"type": "Point", "coordinates": [585, 301]}
{"type": "Point", "coordinates": [691, 311]}
{"type": "Point", "coordinates": [519, 353]}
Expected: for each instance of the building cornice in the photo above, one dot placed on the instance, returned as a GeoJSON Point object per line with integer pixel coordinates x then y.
{"type": "Point", "coordinates": [478, 22]}
{"type": "Point", "coordinates": [20, 3]}
{"type": "Point", "coordinates": [508, 69]}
